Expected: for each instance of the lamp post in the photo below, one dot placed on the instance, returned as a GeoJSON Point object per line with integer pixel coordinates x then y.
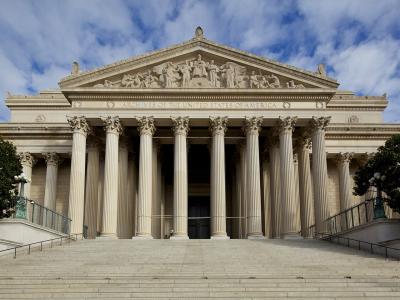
{"type": "Point", "coordinates": [376, 180]}
{"type": "Point", "coordinates": [21, 202]}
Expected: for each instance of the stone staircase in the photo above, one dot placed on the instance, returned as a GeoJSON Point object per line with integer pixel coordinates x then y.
{"type": "Point", "coordinates": [196, 269]}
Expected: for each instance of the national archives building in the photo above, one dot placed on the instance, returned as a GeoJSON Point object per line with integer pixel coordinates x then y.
{"type": "Point", "coordinates": [198, 140]}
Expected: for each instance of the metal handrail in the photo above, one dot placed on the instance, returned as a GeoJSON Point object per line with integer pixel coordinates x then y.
{"type": "Point", "coordinates": [330, 237]}
{"type": "Point", "coordinates": [69, 237]}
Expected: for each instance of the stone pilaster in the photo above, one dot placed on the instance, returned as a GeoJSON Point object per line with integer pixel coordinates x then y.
{"type": "Point", "coordinates": [123, 231]}
{"type": "Point", "coordinates": [77, 178]}
{"type": "Point", "coordinates": [218, 193]}
{"type": "Point", "coordinates": [180, 128]}
{"type": "Point", "coordinates": [92, 189]}
{"type": "Point", "coordinates": [320, 172]}
{"type": "Point", "coordinates": [276, 204]}
{"type": "Point", "coordinates": [289, 201]}
{"type": "Point", "coordinates": [252, 127]}
{"type": "Point", "coordinates": [113, 129]}
{"type": "Point", "coordinates": [147, 129]}
{"type": "Point", "coordinates": [27, 161]}
{"type": "Point", "coordinates": [305, 184]}
{"type": "Point", "coordinates": [343, 163]}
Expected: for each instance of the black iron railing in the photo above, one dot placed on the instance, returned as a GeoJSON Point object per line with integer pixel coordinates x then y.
{"type": "Point", "coordinates": [378, 249]}
{"type": "Point", "coordinates": [41, 245]}
{"type": "Point", "coordinates": [40, 215]}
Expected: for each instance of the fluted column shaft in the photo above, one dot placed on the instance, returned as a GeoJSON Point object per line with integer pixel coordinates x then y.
{"type": "Point", "coordinates": [267, 197]}
{"type": "Point", "coordinates": [343, 163]}
{"type": "Point", "coordinates": [50, 190]}
{"type": "Point", "coordinates": [27, 162]}
{"type": "Point", "coordinates": [306, 196]}
{"type": "Point", "coordinates": [113, 130]}
{"type": "Point", "coordinates": [146, 129]}
{"type": "Point", "coordinates": [289, 201]}
{"type": "Point", "coordinates": [92, 182]}
{"type": "Point", "coordinates": [123, 212]}
{"type": "Point", "coordinates": [180, 128]}
{"type": "Point", "coordinates": [252, 128]}
{"type": "Point", "coordinates": [218, 192]}
{"type": "Point", "coordinates": [320, 172]}
{"type": "Point", "coordinates": [132, 193]}
{"type": "Point", "coordinates": [243, 203]}
{"type": "Point", "coordinates": [297, 190]}
{"type": "Point", "coordinates": [276, 204]}
{"type": "Point", "coordinates": [77, 177]}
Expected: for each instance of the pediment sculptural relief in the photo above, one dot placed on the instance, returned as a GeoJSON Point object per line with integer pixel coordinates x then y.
{"type": "Point", "coordinates": [198, 73]}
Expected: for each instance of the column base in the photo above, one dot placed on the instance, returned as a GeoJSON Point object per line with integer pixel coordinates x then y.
{"type": "Point", "coordinates": [143, 237]}
{"type": "Point", "coordinates": [220, 237]}
{"type": "Point", "coordinates": [107, 236]}
{"type": "Point", "coordinates": [179, 237]}
{"type": "Point", "coordinates": [256, 237]}
{"type": "Point", "coordinates": [291, 236]}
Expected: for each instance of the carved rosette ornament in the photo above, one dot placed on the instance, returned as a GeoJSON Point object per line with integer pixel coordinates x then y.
{"type": "Point", "coordinates": [218, 125]}
{"type": "Point", "coordinates": [319, 123]}
{"type": "Point", "coordinates": [252, 125]}
{"type": "Point", "coordinates": [112, 125]}
{"type": "Point", "coordinates": [79, 124]}
{"type": "Point", "coordinates": [180, 125]}
{"type": "Point", "coordinates": [52, 158]}
{"type": "Point", "coordinates": [286, 124]}
{"type": "Point", "coordinates": [146, 125]}
{"type": "Point", "coordinates": [344, 157]}
{"type": "Point", "coordinates": [27, 159]}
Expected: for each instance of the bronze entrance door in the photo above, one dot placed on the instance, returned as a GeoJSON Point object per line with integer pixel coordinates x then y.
{"type": "Point", "coordinates": [199, 217]}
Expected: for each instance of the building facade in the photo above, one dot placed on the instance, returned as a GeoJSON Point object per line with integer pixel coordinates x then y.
{"type": "Point", "coordinates": [198, 140]}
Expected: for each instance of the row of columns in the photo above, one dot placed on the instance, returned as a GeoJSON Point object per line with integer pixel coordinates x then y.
{"type": "Point", "coordinates": [284, 199]}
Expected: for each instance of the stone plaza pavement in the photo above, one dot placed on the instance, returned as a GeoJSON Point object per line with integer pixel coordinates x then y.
{"type": "Point", "coordinates": [198, 269]}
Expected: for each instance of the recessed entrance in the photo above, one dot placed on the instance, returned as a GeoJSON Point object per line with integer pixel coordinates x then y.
{"type": "Point", "coordinates": [199, 217]}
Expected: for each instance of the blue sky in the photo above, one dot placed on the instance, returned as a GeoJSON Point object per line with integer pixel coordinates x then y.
{"type": "Point", "coordinates": [358, 40]}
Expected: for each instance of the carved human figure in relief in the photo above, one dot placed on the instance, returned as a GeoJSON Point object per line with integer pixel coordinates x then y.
{"type": "Point", "coordinates": [185, 71]}
{"type": "Point", "coordinates": [134, 81]}
{"type": "Point", "coordinates": [291, 85]}
{"type": "Point", "coordinates": [273, 81]}
{"type": "Point", "coordinates": [230, 77]}
{"type": "Point", "coordinates": [149, 80]}
{"type": "Point", "coordinates": [170, 75]}
{"type": "Point", "coordinates": [254, 81]}
{"type": "Point", "coordinates": [199, 67]}
{"type": "Point", "coordinates": [213, 73]}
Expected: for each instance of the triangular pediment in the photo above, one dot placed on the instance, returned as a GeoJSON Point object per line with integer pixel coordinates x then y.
{"type": "Point", "coordinates": [198, 63]}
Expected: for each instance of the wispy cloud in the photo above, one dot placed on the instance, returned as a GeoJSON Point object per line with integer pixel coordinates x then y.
{"type": "Point", "coordinates": [358, 40]}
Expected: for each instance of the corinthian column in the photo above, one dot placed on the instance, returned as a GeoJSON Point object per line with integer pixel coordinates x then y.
{"type": "Point", "coordinates": [92, 183]}
{"type": "Point", "coordinates": [320, 172]}
{"type": "Point", "coordinates": [180, 129]}
{"type": "Point", "coordinates": [52, 160]}
{"type": "Point", "coordinates": [276, 204]}
{"type": "Point", "coordinates": [343, 163]}
{"type": "Point", "coordinates": [77, 178]}
{"type": "Point", "coordinates": [113, 129]}
{"type": "Point", "coordinates": [27, 161]}
{"type": "Point", "coordinates": [305, 190]}
{"type": "Point", "coordinates": [146, 129]}
{"type": "Point", "coordinates": [252, 127]}
{"type": "Point", "coordinates": [123, 206]}
{"type": "Point", "coordinates": [290, 202]}
{"type": "Point", "coordinates": [218, 196]}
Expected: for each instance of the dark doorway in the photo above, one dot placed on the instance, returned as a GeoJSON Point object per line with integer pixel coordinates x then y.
{"type": "Point", "coordinates": [199, 217]}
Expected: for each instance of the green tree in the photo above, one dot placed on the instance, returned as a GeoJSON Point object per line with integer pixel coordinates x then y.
{"type": "Point", "coordinates": [383, 172]}
{"type": "Point", "coordinates": [10, 166]}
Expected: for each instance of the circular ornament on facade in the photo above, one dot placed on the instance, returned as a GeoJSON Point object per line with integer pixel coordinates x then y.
{"type": "Point", "coordinates": [77, 104]}
{"type": "Point", "coordinates": [319, 105]}
{"type": "Point", "coordinates": [286, 105]}
{"type": "Point", "coordinates": [110, 104]}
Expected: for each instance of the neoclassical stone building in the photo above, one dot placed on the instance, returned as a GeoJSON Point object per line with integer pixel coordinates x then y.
{"type": "Point", "coordinates": [197, 140]}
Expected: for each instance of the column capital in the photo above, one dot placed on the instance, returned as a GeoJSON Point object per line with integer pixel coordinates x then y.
{"type": "Point", "coordinates": [252, 125]}
{"type": "Point", "coordinates": [52, 158]}
{"type": "Point", "coordinates": [303, 143]}
{"type": "Point", "coordinates": [27, 159]}
{"type": "Point", "coordinates": [286, 124]}
{"type": "Point", "coordinates": [146, 125]}
{"type": "Point", "coordinates": [79, 124]}
{"type": "Point", "coordinates": [319, 123]}
{"type": "Point", "coordinates": [180, 125]}
{"type": "Point", "coordinates": [344, 157]}
{"type": "Point", "coordinates": [112, 125]}
{"type": "Point", "coordinates": [218, 125]}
